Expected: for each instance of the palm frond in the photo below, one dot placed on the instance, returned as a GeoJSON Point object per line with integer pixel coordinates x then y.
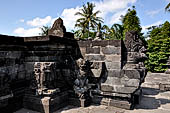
{"type": "Point", "coordinates": [167, 8]}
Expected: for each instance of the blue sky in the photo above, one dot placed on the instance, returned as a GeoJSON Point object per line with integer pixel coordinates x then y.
{"type": "Point", "coordinates": [25, 17]}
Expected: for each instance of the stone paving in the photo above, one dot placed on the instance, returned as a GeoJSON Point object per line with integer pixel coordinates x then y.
{"type": "Point", "coordinates": [153, 101]}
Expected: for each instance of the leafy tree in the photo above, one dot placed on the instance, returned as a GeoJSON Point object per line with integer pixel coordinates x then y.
{"type": "Point", "coordinates": [158, 48]}
{"type": "Point", "coordinates": [131, 22]}
{"type": "Point", "coordinates": [44, 30]}
{"type": "Point", "coordinates": [89, 20]}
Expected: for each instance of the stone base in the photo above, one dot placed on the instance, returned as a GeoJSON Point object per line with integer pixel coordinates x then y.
{"type": "Point", "coordinates": [45, 104]}
{"type": "Point", "coordinates": [120, 102]}
{"type": "Point", "coordinates": [164, 87]}
{"type": "Point", "coordinates": [112, 102]}
{"type": "Point", "coordinates": [79, 102]}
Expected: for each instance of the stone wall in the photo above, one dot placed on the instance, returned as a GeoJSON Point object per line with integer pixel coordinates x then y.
{"type": "Point", "coordinates": [117, 69]}
{"type": "Point", "coordinates": [98, 52]}
{"type": "Point", "coordinates": [107, 72]}
{"type": "Point", "coordinates": [18, 56]}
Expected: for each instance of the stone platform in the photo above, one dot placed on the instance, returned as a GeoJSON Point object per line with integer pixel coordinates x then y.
{"type": "Point", "coordinates": [153, 101]}
{"type": "Point", "coordinates": [46, 104]}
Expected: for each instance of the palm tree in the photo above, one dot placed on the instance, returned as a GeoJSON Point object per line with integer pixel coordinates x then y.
{"type": "Point", "coordinates": [114, 32]}
{"type": "Point", "coordinates": [106, 31]}
{"type": "Point", "coordinates": [44, 30]}
{"type": "Point", "coordinates": [167, 8]}
{"type": "Point", "coordinates": [89, 20]}
{"type": "Point", "coordinates": [117, 31]}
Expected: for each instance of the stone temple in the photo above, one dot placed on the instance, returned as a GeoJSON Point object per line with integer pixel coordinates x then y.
{"type": "Point", "coordinates": [45, 73]}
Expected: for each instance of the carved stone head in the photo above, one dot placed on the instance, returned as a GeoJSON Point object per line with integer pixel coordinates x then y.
{"type": "Point", "coordinates": [83, 66]}
{"type": "Point", "coordinates": [135, 50]}
{"type": "Point", "coordinates": [58, 28]}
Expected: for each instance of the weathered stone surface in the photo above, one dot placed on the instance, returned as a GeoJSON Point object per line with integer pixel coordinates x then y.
{"type": "Point", "coordinates": [111, 50]}
{"type": "Point", "coordinates": [39, 38]}
{"type": "Point", "coordinates": [85, 43]}
{"type": "Point", "coordinates": [116, 94]}
{"type": "Point", "coordinates": [113, 81]}
{"type": "Point", "coordinates": [83, 51]}
{"type": "Point", "coordinates": [96, 57]}
{"type": "Point", "coordinates": [113, 58]}
{"type": "Point", "coordinates": [118, 89]}
{"type": "Point", "coordinates": [115, 73]}
{"type": "Point", "coordinates": [164, 87]}
{"type": "Point", "coordinates": [133, 74]}
{"type": "Point", "coordinates": [96, 72]}
{"type": "Point", "coordinates": [94, 50]}
{"type": "Point", "coordinates": [116, 43]}
{"type": "Point", "coordinates": [113, 65]}
{"type": "Point", "coordinates": [112, 102]}
{"type": "Point", "coordinates": [10, 54]}
{"type": "Point", "coordinates": [102, 43]}
{"type": "Point", "coordinates": [106, 88]}
{"type": "Point", "coordinates": [58, 29]}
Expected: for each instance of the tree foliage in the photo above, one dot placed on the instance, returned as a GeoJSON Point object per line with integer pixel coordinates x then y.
{"type": "Point", "coordinates": [158, 48]}
{"type": "Point", "coordinates": [115, 32]}
{"type": "Point", "coordinates": [88, 20]}
{"type": "Point", "coordinates": [131, 22]}
{"type": "Point", "coordinates": [44, 30]}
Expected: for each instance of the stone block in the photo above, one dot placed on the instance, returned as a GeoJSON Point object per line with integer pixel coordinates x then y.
{"type": "Point", "coordinates": [111, 50]}
{"type": "Point", "coordinates": [133, 73]}
{"type": "Point", "coordinates": [45, 104]}
{"type": "Point", "coordinates": [96, 72]}
{"type": "Point", "coordinates": [96, 57]}
{"type": "Point", "coordinates": [101, 43]}
{"type": "Point", "coordinates": [113, 65]}
{"type": "Point", "coordinates": [118, 89]}
{"type": "Point", "coordinates": [132, 83]}
{"type": "Point", "coordinates": [113, 58]}
{"type": "Point", "coordinates": [112, 81]}
{"type": "Point", "coordinates": [123, 89]}
{"type": "Point", "coordinates": [115, 73]}
{"type": "Point", "coordinates": [85, 43]}
{"type": "Point", "coordinates": [164, 87]}
{"type": "Point", "coordinates": [93, 50]}
{"type": "Point", "coordinates": [10, 54]}
{"type": "Point", "coordinates": [116, 94]}
{"type": "Point", "coordinates": [116, 43]}
{"type": "Point", "coordinates": [106, 88]}
{"type": "Point", "coordinates": [83, 51]}
{"type": "Point", "coordinates": [112, 102]}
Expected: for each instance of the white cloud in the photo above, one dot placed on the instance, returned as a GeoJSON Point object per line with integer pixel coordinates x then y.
{"type": "Point", "coordinates": [153, 12]}
{"type": "Point", "coordinates": [112, 7]}
{"type": "Point", "coordinates": [144, 28]}
{"type": "Point", "coordinates": [37, 22]}
{"type": "Point", "coordinates": [107, 8]}
{"type": "Point", "coordinates": [168, 0]}
{"type": "Point", "coordinates": [27, 32]}
{"type": "Point", "coordinates": [69, 18]}
{"type": "Point", "coordinates": [117, 17]}
{"type": "Point", "coordinates": [22, 20]}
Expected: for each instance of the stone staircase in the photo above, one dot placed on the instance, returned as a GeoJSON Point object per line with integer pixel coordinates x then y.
{"type": "Point", "coordinates": [154, 80]}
